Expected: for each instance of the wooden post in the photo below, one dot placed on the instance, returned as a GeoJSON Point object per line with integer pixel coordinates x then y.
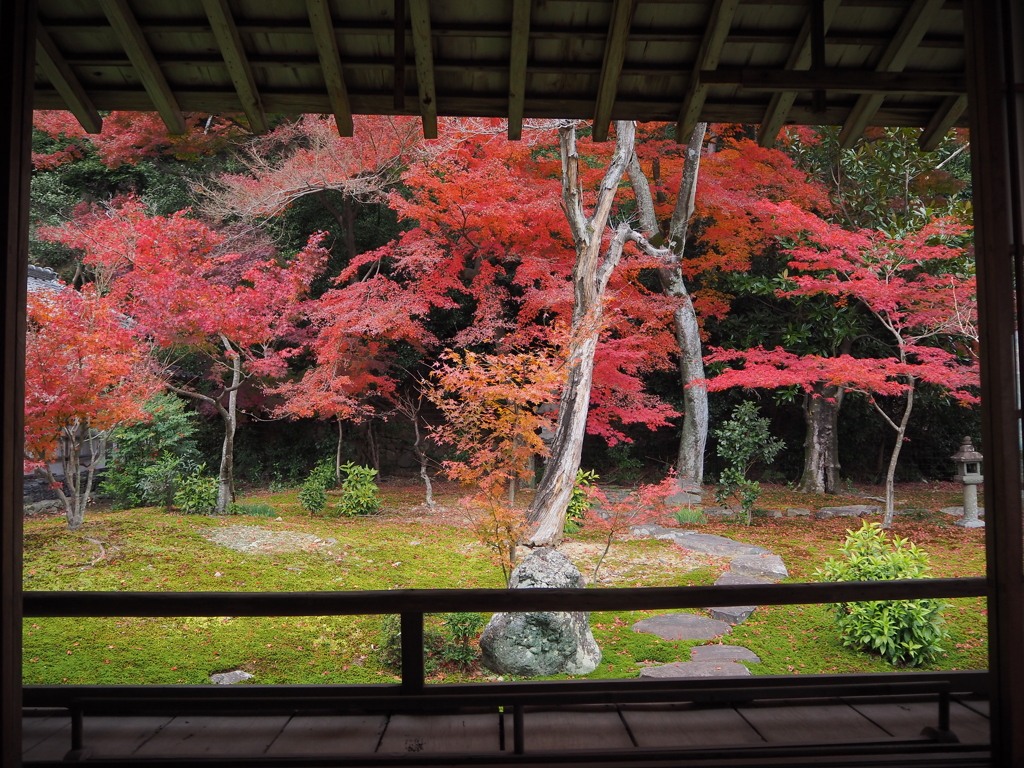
{"type": "Point", "coordinates": [17, 70]}
{"type": "Point", "coordinates": [994, 39]}
{"type": "Point", "coordinates": [412, 653]}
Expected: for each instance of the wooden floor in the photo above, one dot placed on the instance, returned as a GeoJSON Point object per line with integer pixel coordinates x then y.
{"type": "Point", "coordinates": [605, 729]}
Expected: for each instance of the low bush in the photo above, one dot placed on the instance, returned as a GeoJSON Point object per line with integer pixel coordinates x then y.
{"type": "Point", "coordinates": [196, 494]}
{"type": "Point", "coordinates": [449, 641]}
{"type": "Point", "coordinates": [359, 493]}
{"type": "Point", "coordinates": [313, 493]}
{"type": "Point", "coordinates": [903, 632]}
{"type": "Point", "coordinates": [258, 509]}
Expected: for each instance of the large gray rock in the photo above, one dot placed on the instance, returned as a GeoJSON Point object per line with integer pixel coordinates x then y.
{"type": "Point", "coordinates": [851, 510]}
{"type": "Point", "coordinates": [697, 669]}
{"type": "Point", "coordinates": [543, 643]}
{"type": "Point", "coordinates": [760, 567]}
{"type": "Point", "coordinates": [705, 543]}
{"type": "Point", "coordinates": [732, 614]}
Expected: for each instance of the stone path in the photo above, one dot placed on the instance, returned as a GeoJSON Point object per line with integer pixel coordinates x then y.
{"type": "Point", "coordinates": [748, 564]}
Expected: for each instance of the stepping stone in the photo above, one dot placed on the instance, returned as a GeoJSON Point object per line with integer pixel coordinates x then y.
{"type": "Point", "coordinates": [732, 614]}
{"type": "Point", "coordinates": [731, 577]}
{"type": "Point", "coordinates": [682, 626]}
{"type": "Point", "coordinates": [230, 678]}
{"type": "Point", "coordinates": [723, 653]}
{"type": "Point", "coordinates": [697, 669]}
{"type": "Point", "coordinates": [720, 512]}
{"type": "Point", "coordinates": [852, 510]}
{"type": "Point", "coordinates": [760, 566]}
{"type": "Point", "coordinates": [798, 512]}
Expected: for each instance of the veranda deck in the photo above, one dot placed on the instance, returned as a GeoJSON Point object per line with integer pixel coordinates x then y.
{"type": "Point", "coordinates": [858, 730]}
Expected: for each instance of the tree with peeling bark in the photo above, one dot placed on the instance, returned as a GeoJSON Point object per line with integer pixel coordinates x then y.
{"type": "Point", "coordinates": [597, 255]}
{"type": "Point", "coordinates": [179, 297]}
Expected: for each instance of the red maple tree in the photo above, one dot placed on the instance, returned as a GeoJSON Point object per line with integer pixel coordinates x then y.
{"type": "Point", "coordinates": [87, 371]}
{"type": "Point", "coordinates": [164, 273]}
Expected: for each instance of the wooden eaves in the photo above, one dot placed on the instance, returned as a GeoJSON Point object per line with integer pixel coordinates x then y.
{"type": "Point", "coordinates": [920, 63]}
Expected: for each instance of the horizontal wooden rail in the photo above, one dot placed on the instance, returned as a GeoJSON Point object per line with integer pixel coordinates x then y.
{"type": "Point", "coordinates": [121, 604]}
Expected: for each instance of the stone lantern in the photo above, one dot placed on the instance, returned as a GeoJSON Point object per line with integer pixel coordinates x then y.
{"type": "Point", "coordinates": [968, 466]}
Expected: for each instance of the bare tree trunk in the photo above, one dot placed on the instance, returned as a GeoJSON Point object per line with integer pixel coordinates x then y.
{"type": "Point", "coordinates": [694, 434]}
{"type": "Point", "coordinates": [590, 278]}
{"type": "Point", "coordinates": [821, 444]}
{"type": "Point", "coordinates": [890, 474]}
{"type": "Point", "coordinates": [229, 414]}
{"type": "Point", "coordinates": [422, 456]}
{"type": "Point", "coordinates": [337, 453]}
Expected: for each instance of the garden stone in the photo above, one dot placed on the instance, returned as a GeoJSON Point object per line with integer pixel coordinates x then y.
{"type": "Point", "coordinates": [697, 669]}
{"type": "Point", "coordinates": [773, 513]}
{"type": "Point", "coordinates": [723, 653]}
{"type": "Point", "coordinates": [682, 626]}
{"type": "Point", "coordinates": [230, 678]}
{"type": "Point", "coordinates": [798, 512]}
{"type": "Point", "coordinates": [732, 577]}
{"type": "Point", "coordinates": [541, 643]}
{"type": "Point", "coordinates": [732, 614]}
{"type": "Point", "coordinates": [47, 505]}
{"type": "Point", "coordinates": [760, 566]}
{"type": "Point", "coordinates": [710, 544]}
{"type": "Point", "coordinates": [721, 512]}
{"type": "Point", "coordinates": [852, 510]}
{"type": "Point", "coordinates": [959, 511]}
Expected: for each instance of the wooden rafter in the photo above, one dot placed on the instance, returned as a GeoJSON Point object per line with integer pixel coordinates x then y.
{"type": "Point", "coordinates": [517, 67]}
{"type": "Point", "coordinates": [717, 30]}
{"type": "Point", "coordinates": [127, 30]}
{"type": "Point", "coordinates": [326, 42]}
{"type": "Point", "coordinates": [230, 43]}
{"type": "Point", "coordinates": [419, 12]}
{"type": "Point", "coordinates": [944, 119]}
{"type": "Point", "coordinates": [895, 58]}
{"type": "Point", "coordinates": [63, 78]}
{"type": "Point", "coordinates": [799, 59]}
{"type": "Point", "coordinates": [611, 68]}
{"type": "Point", "coordinates": [399, 68]}
{"type": "Point", "coordinates": [838, 81]}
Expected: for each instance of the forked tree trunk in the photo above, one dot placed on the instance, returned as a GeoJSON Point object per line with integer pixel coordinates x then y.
{"type": "Point", "coordinates": [590, 278]}
{"type": "Point", "coordinates": [694, 434]}
{"type": "Point", "coordinates": [821, 444]}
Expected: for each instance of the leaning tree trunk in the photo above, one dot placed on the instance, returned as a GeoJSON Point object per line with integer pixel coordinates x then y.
{"type": "Point", "coordinates": [694, 434]}
{"type": "Point", "coordinates": [590, 278]}
{"type": "Point", "coordinates": [821, 444]}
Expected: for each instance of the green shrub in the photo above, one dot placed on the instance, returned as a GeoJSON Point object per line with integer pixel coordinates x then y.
{"type": "Point", "coordinates": [449, 640]}
{"type": "Point", "coordinates": [359, 494]}
{"type": "Point", "coordinates": [168, 436]}
{"type": "Point", "coordinates": [258, 509]}
{"type": "Point", "coordinates": [906, 632]}
{"type": "Point", "coordinates": [580, 501]}
{"type": "Point", "coordinates": [313, 493]}
{"type": "Point", "coordinates": [159, 481]}
{"type": "Point", "coordinates": [744, 440]}
{"type": "Point", "coordinates": [196, 495]}
{"type": "Point", "coordinates": [689, 516]}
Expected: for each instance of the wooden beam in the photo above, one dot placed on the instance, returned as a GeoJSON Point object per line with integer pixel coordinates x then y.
{"type": "Point", "coordinates": [611, 66]}
{"type": "Point", "coordinates": [799, 59]}
{"type": "Point", "coordinates": [419, 11]}
{"type": "Point", "coordinates": [127, 30]}
{"type": "Point", "coordinates": [837, 80]}
{"type": "Point", "coordinates": [520, 48]}
{"type": "Point", "coordinates": [710, 50]}
{"type": "Point", "coordinates": [326, 41]}
{"type": "Point", "coordinates": [230, 43]}
{"type": "Point", "coordinates": [399, 46]}
{"type": "Point", "coordinates": [944, 119]}
{"type": "Point", "coordinates": [63, 78]}
{"type": "Point", "coordinates": [17, 73]}
{"type": "Point", "coordinates": [895, 58]}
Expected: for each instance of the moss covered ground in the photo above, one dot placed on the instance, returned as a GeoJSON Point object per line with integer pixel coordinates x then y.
{"type": "Point", "coordinates": [411, 547]}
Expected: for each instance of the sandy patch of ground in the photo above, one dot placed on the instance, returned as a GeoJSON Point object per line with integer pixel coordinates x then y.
{"type": "Point", "coordinates": [630, 564]}
{"type": "Point", "coordinates": [261, 541]}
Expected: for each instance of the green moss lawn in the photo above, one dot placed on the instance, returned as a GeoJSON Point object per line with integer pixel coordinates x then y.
{"type": "Point", "coordinates": [409, 546]}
